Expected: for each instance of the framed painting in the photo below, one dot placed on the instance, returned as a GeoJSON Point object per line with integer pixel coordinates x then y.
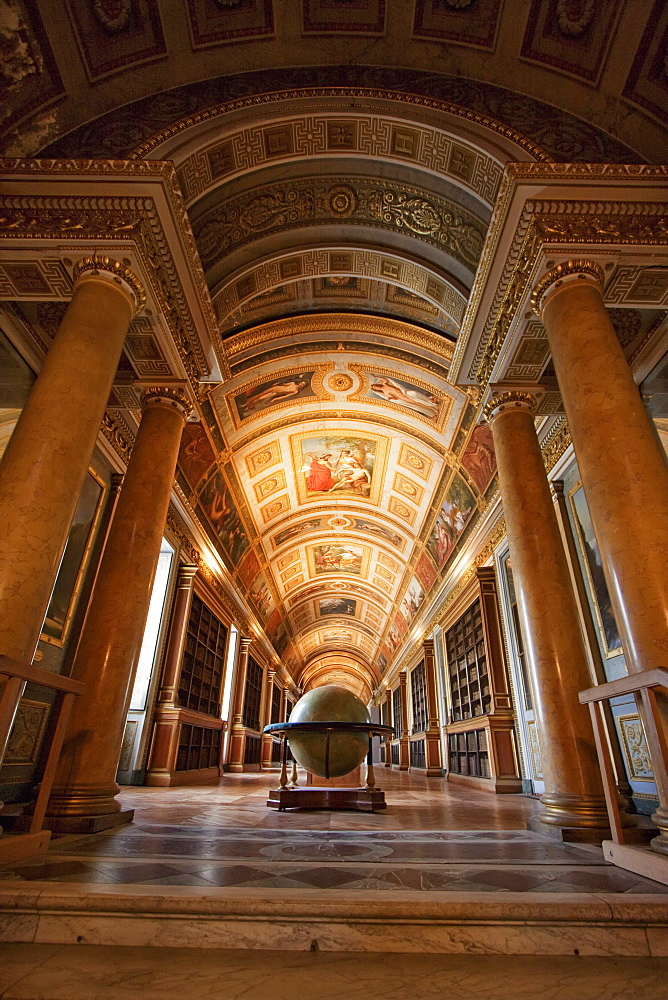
{"type": "Point", "coordinates": [591, 559]}
{"type": "Point", "coordinates": [75, 559]}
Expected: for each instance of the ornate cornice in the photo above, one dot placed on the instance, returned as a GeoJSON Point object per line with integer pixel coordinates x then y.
{"type": "Point", "coordinates": [118, 272]}
{"type": "Point", "coordinates": [594, 223]}
{"type": "Point", "coordinates": [172, 395]}
{"type": "Point", "coordinates": [513, 399]}
{"type": "Point", "coordinates": [588, 270]}
{"type": "Point", "coordinates": [119, 217]}
{"type": "Point", "coordinates": [180, 532]}
{"type": "Point", "coordinates": [350, 325]}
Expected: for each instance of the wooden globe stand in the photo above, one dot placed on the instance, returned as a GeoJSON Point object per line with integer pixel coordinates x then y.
{"type": "Point", "coordinates": [290, 795]}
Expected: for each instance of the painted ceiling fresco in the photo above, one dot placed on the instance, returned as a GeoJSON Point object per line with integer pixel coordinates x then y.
{"type": "Point", "coordinates": [347, 480]}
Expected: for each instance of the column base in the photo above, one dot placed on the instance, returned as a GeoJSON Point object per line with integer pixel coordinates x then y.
{"type": "Point", "coordinates": [569, 834]}
{"type": "Point", "coordinates": [88, 824]}
{"type": "Point", "coordinates": [660, 844]}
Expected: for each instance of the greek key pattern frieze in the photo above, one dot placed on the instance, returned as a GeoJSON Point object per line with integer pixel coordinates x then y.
{"type": "Point", "coordinates": [325, 134]}
{"type": "Point", "coordinates": [268, 275]}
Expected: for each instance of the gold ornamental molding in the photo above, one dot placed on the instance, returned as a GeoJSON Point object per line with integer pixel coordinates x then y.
{"type": "Point", "coordinates": [175, 396]}
{"type": "Point", "coordinates": [588, 270]}
{"type": "Point", "coordinates": [118, 437]}
{"type": "Point", "coordinates": [33, 215]}
{"type": "Point", "coordinates": [598, 206]}
{"type": "Point", "coordinates": [120, 273]}
{"type": "Point", "coordinates": [318, 93]}
{"type": "Point", "coordinates": [293, 203]}
{"type": "Point", "coordinates": [353, 326]}
{"type": "Point", "coordinates": [513, 399]}
{"type": "Point", "coordinates": [556, 443]}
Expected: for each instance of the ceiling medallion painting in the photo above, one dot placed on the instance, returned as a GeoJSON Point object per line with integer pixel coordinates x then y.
{"type": "Point", "coordinates": [266, 394]}
{"type": "Point", "coordinates": [339, 463]}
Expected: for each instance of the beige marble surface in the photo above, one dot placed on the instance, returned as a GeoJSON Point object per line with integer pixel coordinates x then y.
{"type": "Point", "coordinates": [48, 972]}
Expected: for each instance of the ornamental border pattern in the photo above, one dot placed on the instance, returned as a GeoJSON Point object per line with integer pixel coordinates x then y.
{"type": "Point", "coordinates": [362, 201]}
{"type": "Point", "coordinates": [144, 148]}
{"type": "Point", "coordinates": [331, 323]}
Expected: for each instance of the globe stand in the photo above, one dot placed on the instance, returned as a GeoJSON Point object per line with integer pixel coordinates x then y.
{"type": "Point", "coordinates": [367, 799]}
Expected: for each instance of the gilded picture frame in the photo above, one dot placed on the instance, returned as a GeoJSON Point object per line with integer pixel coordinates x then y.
{"type": "Point", "coordinates": [590, 558]}
{"type": "Point", "coordinates": [74, 562]}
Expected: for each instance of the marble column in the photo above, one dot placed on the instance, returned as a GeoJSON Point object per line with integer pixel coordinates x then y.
{"type": "Point", "coordinates": [621, 462]}
{"type": "Point", "coordinates": [267, 741]}
{"type": "Point", "coordinates": [83, 797]}
{"type": "Point", "coordinates": [45, 462]}
{"type": "Point", "coordinates": [178, 627]}
{"type": "Point", "coordinates": [573, 802]}
{"type": "Point", "coordinates": [433, 732]}
{"type": "Point", "coordinates": [237, 741]}
{"type": "Point", "coordinates": [388, 742]}
{"type": "Point", "coordinates": [404, 749]}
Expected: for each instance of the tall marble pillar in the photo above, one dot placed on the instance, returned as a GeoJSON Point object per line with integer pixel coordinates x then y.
{"type": "Point", "coordinates": [404, 748]}
{"type": "Point", "coordinates": [267, 740]}
{"type": "Point", "coordinates": [45, 462]}
{"type": "Point", "coordinates": [83, 797]}
{"type": "Point", "coordinates": [573, 802]}
{"type": "Point", "coordinates": [622, 465]}
{"type": "Point", "coordinates": [237, 741]}
{"type": "Point", "coordinates": [433, 733]}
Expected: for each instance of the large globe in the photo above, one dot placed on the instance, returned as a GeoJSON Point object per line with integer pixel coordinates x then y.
{"type": "Point", "coordinates": [329, 703]}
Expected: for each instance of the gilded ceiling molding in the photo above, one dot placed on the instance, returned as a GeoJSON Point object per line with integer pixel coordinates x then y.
{"type": "Point", "coordinates": [260, 279]}
{"type": "Point", "coordinates": [178, 529]}
{"type": "Point", "coordinates": [556, 443]}
{"type": "Point", "coordinates": [144, 149]}
{"type": "Point", "coordinates": [290, 204]}
{"type": "Point", "coordinates": [597, 224]}
{"type": "Point", "coordinates": [352, 325]}
{"type": "Point", "coordinates": [119, 217]}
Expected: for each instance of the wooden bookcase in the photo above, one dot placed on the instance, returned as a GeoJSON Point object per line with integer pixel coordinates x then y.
{"type": "Point", "coordinates": [480, 731]}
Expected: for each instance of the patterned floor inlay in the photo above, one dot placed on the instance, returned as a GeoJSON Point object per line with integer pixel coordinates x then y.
{"type": "Point", "coordinates": [193, 837]}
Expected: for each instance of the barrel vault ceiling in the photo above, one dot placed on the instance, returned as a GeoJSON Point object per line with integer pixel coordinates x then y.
{"type": "Point", "coordinates": [339, 164]}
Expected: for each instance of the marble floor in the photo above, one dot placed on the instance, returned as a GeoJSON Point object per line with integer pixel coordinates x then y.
{"type": "Point", "coordinates": [57, 972]}
{"type": "Point", "coordinates": [434, 837]}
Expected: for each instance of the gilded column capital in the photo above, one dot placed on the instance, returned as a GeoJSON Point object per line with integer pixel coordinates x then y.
{"type": "Point", "coordinates": [513, 399]}
{"type": "Point", "coordinates": [113, 271]}
{"type": "Point", "coordinates": [567, 271]}
{"type": "Point", "coordinates": [244, 643]}
{"type": "Point", "coordinates": [174, 396]}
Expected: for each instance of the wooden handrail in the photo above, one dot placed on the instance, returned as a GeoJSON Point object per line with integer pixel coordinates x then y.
{"type": "Point", "coordinates": [36, 675]}
{"type": "Point", "coordinates": [658, 677]}
{"type": "Point", "coordinates": [14, 676]}
{"type": "Point", "coordinates": [649, 689]}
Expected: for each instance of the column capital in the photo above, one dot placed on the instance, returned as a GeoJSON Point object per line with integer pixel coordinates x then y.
{"type": "Point", "coordinates": [511, 399]}
{"type": "Point", "coordinates": [244, 643]}
{"type": "Point", "coordinates": [567, 271]}
{"type": "Point", "coordinates": [174, 396]}
{"type": "Point", "coordinates": [112, 271]}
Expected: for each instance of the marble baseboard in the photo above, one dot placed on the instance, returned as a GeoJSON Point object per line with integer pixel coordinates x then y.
{"type": "Point", "coordinates": [454, 923]}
